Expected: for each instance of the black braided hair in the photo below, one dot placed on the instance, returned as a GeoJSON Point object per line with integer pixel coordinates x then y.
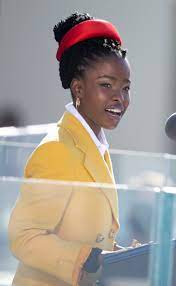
{"type": "Point", "coordinates": [74, 60]}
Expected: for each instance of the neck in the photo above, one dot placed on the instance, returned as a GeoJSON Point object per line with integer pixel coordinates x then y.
{"type": "Point", "coordinates": [95, 128]}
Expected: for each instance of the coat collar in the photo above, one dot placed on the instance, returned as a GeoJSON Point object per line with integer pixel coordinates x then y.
{"type": "Point", "coordinates": [83, 141]}
{"type": "Point", "coordinates": [99, 169]}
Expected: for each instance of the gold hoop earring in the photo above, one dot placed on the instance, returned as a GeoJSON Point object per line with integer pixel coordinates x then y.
{"type": "Point", "coordinates": [77, 102]}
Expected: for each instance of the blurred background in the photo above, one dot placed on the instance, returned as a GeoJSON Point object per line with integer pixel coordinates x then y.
{"type": "Point", "coordinates": [30, 90]}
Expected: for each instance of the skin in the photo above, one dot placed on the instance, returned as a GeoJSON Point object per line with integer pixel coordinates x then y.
{"type": "Point", "coordinates": [105, 84]}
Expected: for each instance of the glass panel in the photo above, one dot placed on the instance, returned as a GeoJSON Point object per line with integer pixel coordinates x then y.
{"type": "Point", "coordinates": [147, 206]}
{"type": "Point", "coordinates": [13, 157]}
{"type": "Point", "coordinates": [29, 134]}
{"type": "Point", "coordinates": [163, 248]}
{"type": "Point", "coordinates": [8, 195]}
{"type": "Point", "coordinates": [142, 168]}
{"type": "Point", "coordinates": [130, 167]}
{"type": "Point", "coordinates": [91, 222]}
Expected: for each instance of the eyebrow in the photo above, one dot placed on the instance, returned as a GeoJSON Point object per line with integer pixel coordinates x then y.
{"type": "Point", "coordinates": [111, 77]}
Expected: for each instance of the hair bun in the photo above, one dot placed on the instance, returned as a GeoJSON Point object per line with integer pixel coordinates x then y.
{"type": "Point", "coordinates": [64, 26]}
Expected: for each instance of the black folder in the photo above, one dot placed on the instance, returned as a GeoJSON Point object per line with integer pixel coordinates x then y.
{"type": "Point", "coordinates": [130, 265]}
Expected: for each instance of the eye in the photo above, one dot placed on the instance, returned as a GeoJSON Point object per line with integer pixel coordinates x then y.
{"type": "Point", "coordinates": [105, 84]}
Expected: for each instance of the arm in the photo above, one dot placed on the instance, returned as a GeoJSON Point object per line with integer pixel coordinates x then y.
{"type": "Point", "coordinates": [37, 214]}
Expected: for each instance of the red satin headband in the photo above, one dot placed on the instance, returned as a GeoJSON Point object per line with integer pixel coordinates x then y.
{"type": "Point", "coordinates": [87, 30]}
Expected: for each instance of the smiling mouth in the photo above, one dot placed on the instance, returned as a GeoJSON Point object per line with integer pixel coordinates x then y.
{"type": "Point", "coordinates": [116, 112]}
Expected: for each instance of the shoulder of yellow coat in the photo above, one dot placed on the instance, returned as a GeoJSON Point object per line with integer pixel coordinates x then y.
{"type": "Point", "coordinates": [50, 160]}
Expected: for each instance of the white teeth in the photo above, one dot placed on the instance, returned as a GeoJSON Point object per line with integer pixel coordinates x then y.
{"type": "Point", "coordinates": [114, 110]}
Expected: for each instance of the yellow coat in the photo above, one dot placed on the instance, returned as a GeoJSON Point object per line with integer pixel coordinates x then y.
{"type": "Point", "coordinates": [53, 228]}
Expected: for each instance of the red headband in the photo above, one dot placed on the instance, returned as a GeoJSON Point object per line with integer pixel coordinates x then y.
{"type": "Point", "coordinates": [87, 30]}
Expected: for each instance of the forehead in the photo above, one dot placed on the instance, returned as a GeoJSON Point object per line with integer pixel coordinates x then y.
{"type": "Point", "coordinates": [112, 66]}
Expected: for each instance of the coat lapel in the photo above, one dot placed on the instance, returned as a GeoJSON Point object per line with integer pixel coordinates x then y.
{"type": "Point", "coordinates": [100, 172]}
{"type": "Point", "coordinates": [99, 169]}
{"type": "Point", "coordinates": [108, 161]}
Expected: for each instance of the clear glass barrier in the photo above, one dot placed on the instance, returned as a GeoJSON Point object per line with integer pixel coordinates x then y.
{"type": "Point", "coordinates": [146, 207]}
{"type": "Point", "coordinates": [143, 168]}
{"type": "Point", "coordinates": [130, 167]}
{"type": "Point", "coordinates": [29, 134]}
{"type": "Point", "coordinates": [145, 220]}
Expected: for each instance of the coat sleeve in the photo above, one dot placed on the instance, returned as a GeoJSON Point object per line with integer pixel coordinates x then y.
{"type": "Point", "coordinates": [38, 212]}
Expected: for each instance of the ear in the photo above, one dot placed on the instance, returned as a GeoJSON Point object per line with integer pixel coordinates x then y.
{"type": "Point", "coordinates": [76, 87]}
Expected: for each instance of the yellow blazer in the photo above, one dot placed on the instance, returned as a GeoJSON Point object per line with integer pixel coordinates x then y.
{"type": "Point", "coordinates": [53, 228]}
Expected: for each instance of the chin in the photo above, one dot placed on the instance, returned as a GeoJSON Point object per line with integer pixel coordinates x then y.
{"type": "Point", "coordinates": [112, 123]}
{"type": "Point", "coordinates": [110, 127]}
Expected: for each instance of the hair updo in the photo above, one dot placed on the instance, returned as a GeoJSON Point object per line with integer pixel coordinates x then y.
{"type": "Point", "coordinates": [75, 60]}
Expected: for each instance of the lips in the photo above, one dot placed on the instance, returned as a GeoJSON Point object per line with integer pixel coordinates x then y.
{"type": "Point", "coordinates": [114, 111]}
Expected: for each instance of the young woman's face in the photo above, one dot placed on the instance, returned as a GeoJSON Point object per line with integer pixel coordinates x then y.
{"type": "Point", "coordinates": [104, 92]}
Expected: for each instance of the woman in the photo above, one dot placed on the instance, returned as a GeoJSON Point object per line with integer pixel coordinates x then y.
{"type": "Point", "coordinates": [59, 239]}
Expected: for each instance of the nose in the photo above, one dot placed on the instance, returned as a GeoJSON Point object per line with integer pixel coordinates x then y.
{"type": "Point", "coordinates": [118, 96]}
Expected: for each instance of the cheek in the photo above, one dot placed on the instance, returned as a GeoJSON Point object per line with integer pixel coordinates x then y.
{"type": "Point", "coordinates": [95, 98]}
{"type": "Point", "coordinates": [127, 101]}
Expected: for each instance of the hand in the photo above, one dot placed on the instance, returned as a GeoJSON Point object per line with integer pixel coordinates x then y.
{"type": "Point", "coordinates": [118, 247]}
{"type": "Point", "coordinates": [135, 243]}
